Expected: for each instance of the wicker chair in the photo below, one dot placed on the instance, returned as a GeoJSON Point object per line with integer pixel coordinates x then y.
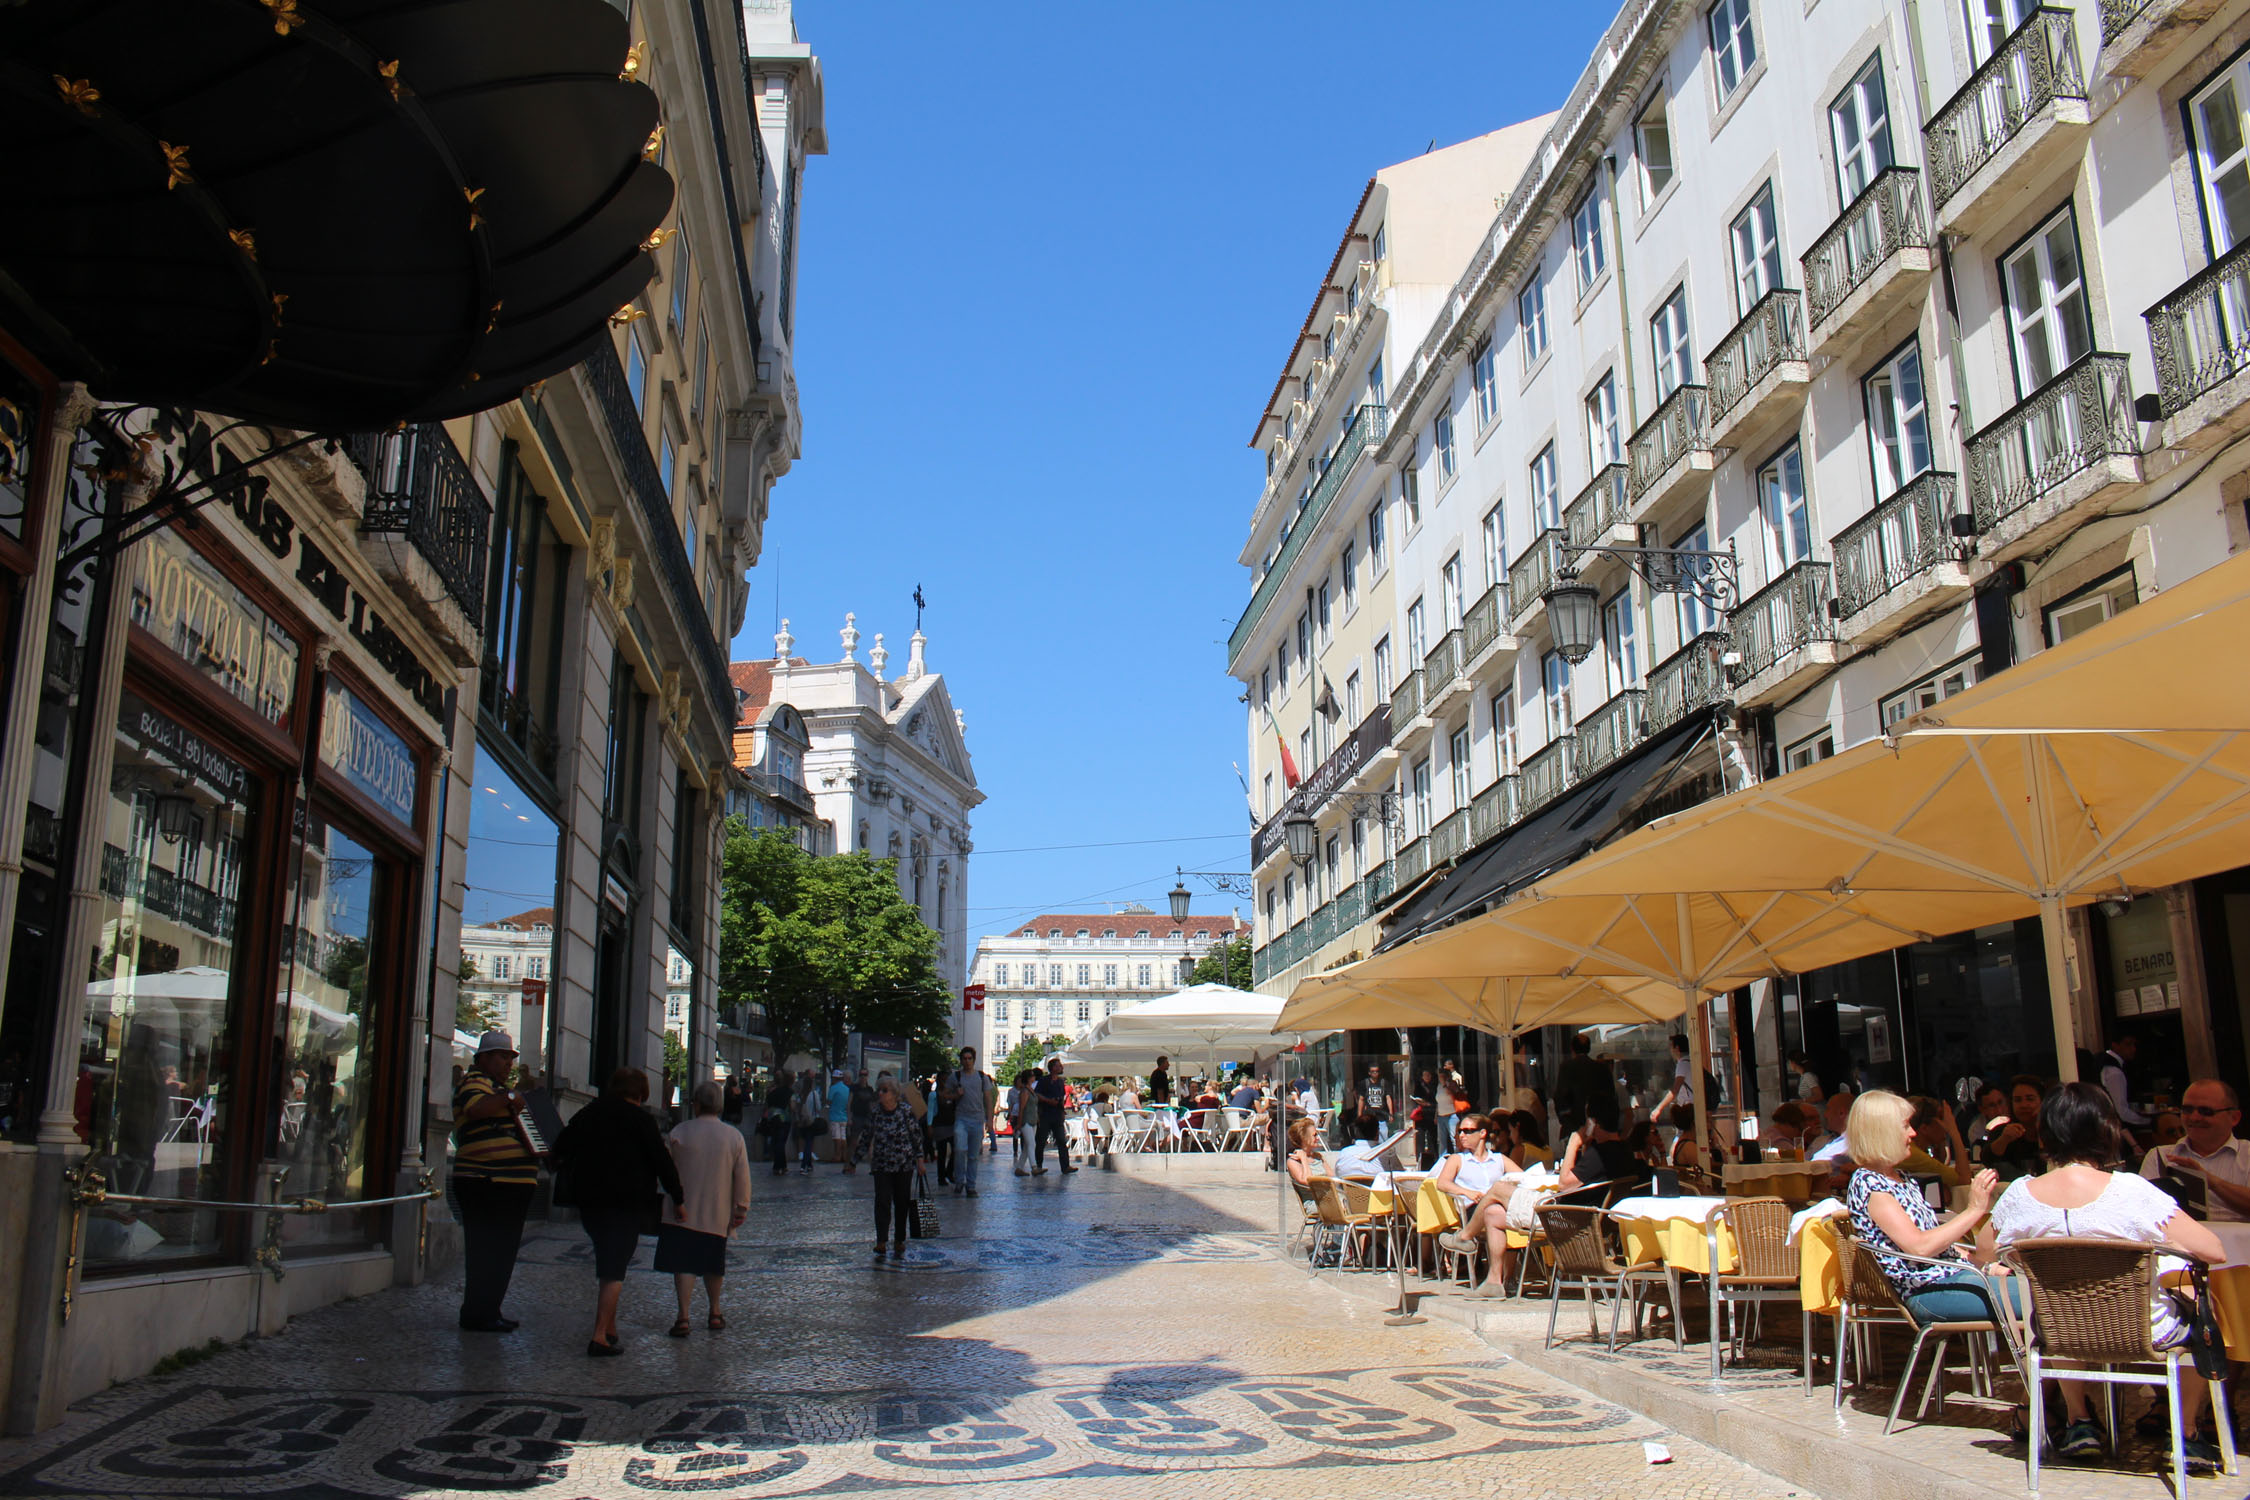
{"type": "Point", "coordinates": [1871, 1301]}
{"type": "Point", "coordinates": [2089, 1305]}
{"type": "Point", "coordinates": [1584, 1262]}
{"type": "Point", "coordinates": [1766, 1269]}
{"type": "Point", "coordinates": [1360, 1221]}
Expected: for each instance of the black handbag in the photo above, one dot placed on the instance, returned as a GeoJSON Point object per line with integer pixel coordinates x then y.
{"type": "Point", "coordinates": [2206, 1343]}
{"type": "Point", "coordinates": [923, 1224]}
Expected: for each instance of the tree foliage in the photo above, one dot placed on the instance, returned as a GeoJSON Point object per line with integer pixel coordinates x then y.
{"type": "Point", "coordinates": [828, 944]}
{"type": "Point", "coordinates": [1224, 963]}
{"type": "Point", "coordinates": [1028, 1053]}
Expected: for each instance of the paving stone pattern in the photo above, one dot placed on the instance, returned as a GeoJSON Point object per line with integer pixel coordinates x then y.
{"type": "Point", "coordinates": [1141, 1335]}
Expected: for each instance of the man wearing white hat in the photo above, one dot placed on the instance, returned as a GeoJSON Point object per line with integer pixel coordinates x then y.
{"type": "Point", "coordinates": [494, 1175]}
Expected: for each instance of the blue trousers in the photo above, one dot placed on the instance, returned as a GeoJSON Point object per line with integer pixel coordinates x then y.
{"type": "Point", "coordinates": [1960, 1298]}
{"type": "Point", "coordinates": [968, 1145]}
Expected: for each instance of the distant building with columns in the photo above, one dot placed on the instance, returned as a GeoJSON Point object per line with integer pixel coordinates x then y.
{"type": "Point", "coordinates": [880, 763]}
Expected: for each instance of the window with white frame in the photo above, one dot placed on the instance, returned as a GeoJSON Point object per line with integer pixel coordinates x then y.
{"type": "Point", "coordinates": [1359, 847]}
{"type": "Point", "coordinates": [1589, 243]}
{"type": "Point", "coordinates": [1383, 670]}
{"type": "Point", "coordinates": [1304, 642]}
{"type": "Point", "coordinates": [1554, 682]}
{"type": "Point", "coordinates": [1605, 442]}
{"type": "Point", "coordinates": [1324, 614]}
{"type": "Point", "coordinates": [1859, 123]}
{"type": "Point", "coordinates": [1441, 447]}
{"type": "Point", "coordinates": [1531, 319]}
{"type": "Point", "coordinates": [1493, 533]}
{"type": "Point", "coordinates": [1449, 590]}
{"type": "Point", "coordinates": [1375, 539]}
{"type": "Point", "coordinates": [1781, 505]}
{"type": "Point", "coordinates": [1898, 420]}
{"type": "Point", "coordinates": [999, 973]}
{"type": "Point", "coordinates": [1668, 344]}
{"type": "Point", "coordinates": [679, 281]}
{"type": "Point", "coordinates": [1991, 22]}
{"type": "Point", "coordinates": [1085, 974]}
{"type": "Point", "coordinates": [2048, 325]}
{"type": "Point", "coordinates": [1351, 699]}
{"type": "Point", "coordinates": [1375, 382]}
{"type": "Point", "coordinates": [1757, 251]}
{"type": "Point", "coordinates": [1109, 975]}
{"type": "Point", "coordinates": [1734, 47]}
{"type": "Point", "coordinates": [1696, 615]}
{"type": "Point", "coordinates": [1546, 490]}
{"type": "Point", "coordinates": [1054, 976]}
{"type": "Point", "coordinates": [1417, 642]}
{"type": "Point", "coordinates": [1621, 646]}
{"type": "Point", "coordinates": [1085, 1012]}
{"type": "Point", "coordinates": [1000, 1012]}
{"type": "Point", "coordinates": [1503, 711]}
{"type": "Point", "coordinates": [1410, 495]}
{"type": "Point", "coordinates": [1054, 1015]}
{"type": "Point", "coordinates": [1141, 975]}
{"type": "Point", "coordinates": [1652, 151]}
{"type": "Point", "coordinates": [2087, 608]}
{"type": "Point", "coordinates": [636, 370]}
{"type": "Point", "coordinates": [1811, 750]}
{"type": "Point", "coordinates": [1484, 379]}
{"type": "Point", "coordinates": [2219, 119]}
{"type": "Point", "coordinates": [1457, 765]}
{"type": "Point", "coordinates": [1955, 677]}
{"type": "Point", "coordinates": [1348, 566]}
{"type": "Point", "coordinates": [1305, 760]}
{"type": "Point", "coordinates": [1421, 797]}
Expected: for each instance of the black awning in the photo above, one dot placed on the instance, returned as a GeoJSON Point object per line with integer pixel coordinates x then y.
{"type": "Point", "coordinates": [326, 214]}
{"type": "Point", "coordinates": [1587, 815]}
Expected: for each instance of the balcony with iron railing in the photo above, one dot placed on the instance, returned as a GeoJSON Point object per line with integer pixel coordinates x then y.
{"type": "Point", "coordinates": [1450, 837]}
{"type": "Point", "coordinates": [1368, 426]}
{"type": "Point", "coordinates": [1691, 678]}
{"type": "Point", "coordinates": [1871, 263]}
{"type": "Point", "coordinates": [1900, 561]}
{"type": "Point", "coordinates": [1546, 773]}
{"type": "Point", "coordinates": [2140, 36]}
{"type": "Point", "coordinates": [1671, 453]}
{"type": "Point", "coordinates": [1410, 863]}
{"type": "Point", "coordinates": [1759, 372]}
{"type": "Point", "coordinates": [1609, 731]}
{"type": "Point", "coordinates": [1784, 631]}
{"type": "Point", "coordinates": [2056, 450]}
{"type": "Point", "coordinates": [1406, 702]}
{"type": "Point", "coordinates": [1484, 625]}
{"type": "Point", "coordinates": [2199, 337]}
{"type": "Point", "coordinates": [785, 789]}
{"type": "Point", "coordinates": [1350, 907]}
{"type": "Point", "coordinates": [1597, 518]}
{"type": "Point", "coordinates": [1532, 574]}
{"type": "Point", "coordinates": [418, 487]}
{"type": "Point", "coordinates": [1494, 808]}
{"type": "Point", "coordinates": [2022, 113]}
{"type": "Point", "coordinates": [1441, 671]}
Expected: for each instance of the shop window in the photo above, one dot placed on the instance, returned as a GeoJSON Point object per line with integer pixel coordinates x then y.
{"type": "Point", "coordinates": [523, 632]}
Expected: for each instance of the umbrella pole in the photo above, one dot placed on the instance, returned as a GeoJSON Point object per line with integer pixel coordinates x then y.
{"type": "Point", "coordinates": [2054, 936]}
{"type": "Point", "coordinates": [1699, 1059]}
{"type": "Point", "coordinates": [1403, 1315]}
{"type": "Point", "coordinates": [1507, 1071]}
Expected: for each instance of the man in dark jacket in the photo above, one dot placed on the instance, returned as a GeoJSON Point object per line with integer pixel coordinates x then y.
{"type": "Point", "coordinates": [1578, 1082]}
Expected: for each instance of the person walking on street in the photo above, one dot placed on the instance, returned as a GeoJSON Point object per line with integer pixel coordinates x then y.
{"type": "Point", "coordinates": [840, 1119]}
{"type": "Point", "coordinates": [1023, 1116]}
{"type": "Point", "coordinates": [812, 1118]}
{"type": "Point", "coordinates": [616, 1160]}
{"type": "Point", "coordinates": [863, 1105]}
{"type": "Point", "coordinates": [976, 1099]}
{"type": "Point", "coordinates": [1578, 1082]}
{"type": "Point", "coordinates": [730, 1108]}
{"type": "Point", "coordinates": [780, 1117]}
{"type": "Point", "coordinates": [1052, 1093]}
{"type": "Point", "coordinates": [714, 1167]}
{"type": "Point", "coordinates": [894, 1154]}
{"type": "Point", "coordinates": [942, 1115]}
{"type": "Point", "coordinates": [494, 1176]}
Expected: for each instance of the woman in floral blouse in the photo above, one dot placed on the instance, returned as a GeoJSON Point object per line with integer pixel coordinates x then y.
{"type": "Point", "coordinates": [1890, 1216]}
{"type": "Point", "coordinates": [894, 1151]}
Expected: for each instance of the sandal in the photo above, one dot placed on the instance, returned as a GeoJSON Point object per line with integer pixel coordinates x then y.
{"type": "Point", "coordinates": [679, 1330]}
{"type": "Point", "coordinates": [717, 1324]}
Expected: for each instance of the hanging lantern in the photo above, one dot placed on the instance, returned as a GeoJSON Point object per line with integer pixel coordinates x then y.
{"type": "Point", "coordinates": [1573, 616]}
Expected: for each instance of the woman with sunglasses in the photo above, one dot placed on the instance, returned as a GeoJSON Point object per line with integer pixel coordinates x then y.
{"type": "Point", "coordinates": [1482, 1180]}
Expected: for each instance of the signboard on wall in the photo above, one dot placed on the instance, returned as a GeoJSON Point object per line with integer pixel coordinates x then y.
{"type": "Point", "coordinates": [1312, 794]}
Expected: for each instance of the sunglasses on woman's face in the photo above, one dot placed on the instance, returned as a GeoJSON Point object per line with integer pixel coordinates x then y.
{"type": "Point", "coordinates": [1468, 1130]}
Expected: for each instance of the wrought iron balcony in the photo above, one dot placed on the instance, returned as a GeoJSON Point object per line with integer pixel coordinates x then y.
{"type": "Point", "coordinates": [615, 398]}
{"type": "Point", "coordinates": [1482, 625]}
{"type": "Point", "coordinates": [1883, 220]}
{"type": "Point", "coordinates": [1368, 426]}
{"type": "Point", "coordinates": [1788, 613]}
{"type": "Point", "coordinates": [1494, 809]}
{"type": "Point", "coordinates": [1769, 335]}
{"type": "Point", "coordinates": [2069, 425]}
{"type": "Point", "coordinates": [417, 486]}
{"type": "Point", "coordinates": [1406, 702]}
{"type": "Point", "coordinates": [1689, 679]}
{"type": "Point", "coordinates": [1611, 730]}
{"type": "Point", "coordinates": [1349, 907]}
{"type": "Point", "coordinates": [1599, 508]}
{"type": "Point", "coordinates": [1680, 426]}
{"type": "Point", "coordinates": [2118, 15]}
{"type": "Point", "coordinates": [1532, 574]}
{"type": "Point", "coordinates": [1442, 665]}
{"type": "Point", "coordinates": [2027, 73]}
{"type": "Point", "coordinates": [1450, 837]}
{"type": "Point", "coordinates": [1378, 884]}
{"type": "Point", "coordinates": [1411, 862]}
{"type": "Point", "coordinates": [1545, 774]}
{"type": "Point", "coordinates": [1907, 534]}
{"type": "Point", "coordinates": [2200, 334]}
{"type": "Point", "coordinates": [783, 789]}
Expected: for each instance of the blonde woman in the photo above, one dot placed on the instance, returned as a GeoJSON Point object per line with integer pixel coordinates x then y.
{"type": "Point", "coordinates": [1303, 1160]}
{"type": "Point", "coordinates": [1890, 1216]}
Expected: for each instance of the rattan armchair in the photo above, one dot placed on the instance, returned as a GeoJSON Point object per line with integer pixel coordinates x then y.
{"type": "Point", "coordinates": [1870, 1302]}
{"type": "Point", "coordinates": [2090, 1306]}
{"type": "Point", "coordinates": [1766, 1270]}
{"type": "Point", "coordinates": [1578, 1236]}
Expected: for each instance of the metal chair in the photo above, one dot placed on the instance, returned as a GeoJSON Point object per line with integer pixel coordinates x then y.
{"type": "Point", "coordinates": [1194, 1130]}
{"type": "Point", "coordinates": [1872, 1302]}
{"type": "Point", "coordinates": [2090, 1305]}
{"type": "Point", "coordinates": [1344, 1211]}
{"type": "Point", "coordinates": [1133, 1129]}
{"type": "Point", "coordinates": [1238, 1132]}
{"type": "Point", "coordinates": [1766, 1269]}
{"type": "Point", "coordinates": [1584, 1262]}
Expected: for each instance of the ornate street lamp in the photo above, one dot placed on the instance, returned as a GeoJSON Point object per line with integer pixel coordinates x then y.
{"type": "Point", "coordinates": [1574, 609]}
{"type": "Point", "coordinates": [1303, 837]}
{"type": "Point", "coordinates": [1573, 615]}
{"type": "Point", "coordinates": [1180, 899]}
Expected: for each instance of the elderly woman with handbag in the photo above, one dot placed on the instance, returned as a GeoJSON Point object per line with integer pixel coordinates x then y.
{"type": "Point", "coordinates": [616, 1161]}
{"type": "Point", "coordinates": [714, 1167]}
{"type": "Point", "coordinates": [895, 1153]}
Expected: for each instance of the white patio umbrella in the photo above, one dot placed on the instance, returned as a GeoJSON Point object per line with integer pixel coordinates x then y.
{"type": "Point", "coordinates": [1203, 1017]}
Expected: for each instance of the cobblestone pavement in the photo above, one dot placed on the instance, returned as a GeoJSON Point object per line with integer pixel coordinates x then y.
{"type": "Point", "coordinates": [1140, 1334]}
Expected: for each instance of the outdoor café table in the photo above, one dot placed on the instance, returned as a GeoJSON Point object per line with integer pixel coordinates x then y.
{"type": "Point", "coordinates": [1793, 1180]}
{"type": "Point", "coordinates": [1686, 1234]}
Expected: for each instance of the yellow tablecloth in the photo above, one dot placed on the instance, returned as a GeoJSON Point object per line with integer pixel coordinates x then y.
{"type": "Point", "coordinates": [1677, 1242]}
{"type": "Point", "coordinates": [1435, 1210]}
{"type": "Point", "coordinates": [1820, 1268]}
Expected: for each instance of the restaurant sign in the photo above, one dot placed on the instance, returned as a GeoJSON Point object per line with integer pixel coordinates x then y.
{"type": "Point", "coordinates": [1313, 792]}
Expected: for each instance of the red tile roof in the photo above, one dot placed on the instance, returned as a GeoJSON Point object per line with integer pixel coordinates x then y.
{"type": "Point", "coordinates": [1125, 924]}
{"type": "Point", "coordinates": [524, 921]}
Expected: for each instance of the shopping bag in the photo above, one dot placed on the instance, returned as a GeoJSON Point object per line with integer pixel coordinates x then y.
{"type": "Point", "coordinates": [924, 1224]}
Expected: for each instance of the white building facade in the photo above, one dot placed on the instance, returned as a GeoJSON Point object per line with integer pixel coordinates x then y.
{"type": "Point", "coordinates": [1904, 359]}
{"type": "Point", "coordinates": [1058, 974]}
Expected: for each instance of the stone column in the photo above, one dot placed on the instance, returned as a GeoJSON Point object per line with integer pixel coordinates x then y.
{"type": "Point", "coordinates": [2194, 981]}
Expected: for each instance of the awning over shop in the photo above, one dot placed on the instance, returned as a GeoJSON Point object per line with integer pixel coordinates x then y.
{"type": "Point", "coordinates": [330, 214]}
{"type": "Point", "coordinates": [1564, 830]}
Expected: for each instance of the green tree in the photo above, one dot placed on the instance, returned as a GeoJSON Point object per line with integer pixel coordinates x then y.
{"type": "Point", "coordinates": [1028, 1053]}
{"type": "Point", "coordinates": [472, 1012]}
{"type": "Point", "coordinates": [1225, 963]}
{"type": "Point", "coordinates": [675, 1062]}
{"type": "Point", "coordinates": [828, 944]}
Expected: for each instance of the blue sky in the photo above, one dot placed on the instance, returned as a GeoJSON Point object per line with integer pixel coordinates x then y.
{"type": "Point", "coordinates": [1047, 275]}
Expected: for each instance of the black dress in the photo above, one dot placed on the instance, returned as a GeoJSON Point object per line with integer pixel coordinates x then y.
{"type": "Point", "coordinates": [616, 1161]}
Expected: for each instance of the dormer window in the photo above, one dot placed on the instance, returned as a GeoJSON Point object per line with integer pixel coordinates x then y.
{"type": "Point", "coordinates": [1142, 934]}
{"type": "Point", "coordinates": [1203, 937]}
{"type": "Point", "coordinates": [1082, 932]}
{"type": "Point", "coordinates": [1110, 933]}
{"type": "Point", "coordinates": [1054, 932]}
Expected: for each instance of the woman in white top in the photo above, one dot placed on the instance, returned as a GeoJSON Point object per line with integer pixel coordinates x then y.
{"type": "Point", "coordinates": [1483, 1181]}
{"type": "Point", "coordinates": [1448, 1106]}
{"type": "Point", "coordinates": [2078, 1131]}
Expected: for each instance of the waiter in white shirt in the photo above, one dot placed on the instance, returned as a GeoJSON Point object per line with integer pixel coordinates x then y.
{"type": "Point", "coordinates": [2210, 1111]}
